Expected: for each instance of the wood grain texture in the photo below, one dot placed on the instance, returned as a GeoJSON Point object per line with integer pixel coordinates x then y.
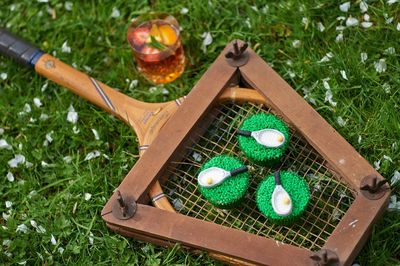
{"type": "Point", "coordinates": [191, 232]}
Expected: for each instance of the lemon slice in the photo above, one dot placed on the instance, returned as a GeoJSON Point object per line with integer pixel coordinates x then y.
{"type": "Point", "coordinates": [168, 34]}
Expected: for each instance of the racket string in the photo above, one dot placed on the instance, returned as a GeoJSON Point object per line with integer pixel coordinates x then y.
{"type": "Point", "coordinates": [330, 197]}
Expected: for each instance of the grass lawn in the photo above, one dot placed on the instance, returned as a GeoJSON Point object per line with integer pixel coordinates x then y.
{"type": "Point", "coordinates": [51, 210]}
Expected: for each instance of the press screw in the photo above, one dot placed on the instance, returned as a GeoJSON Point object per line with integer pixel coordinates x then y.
{"type": "Point", "coordinates": [238, 57]}
{"type": "Point", "coordinates": [325, 257]}
{"type": "Point", "coordinates": [374, 185]}
{"type": "Point", "coordinates": [124, 208]}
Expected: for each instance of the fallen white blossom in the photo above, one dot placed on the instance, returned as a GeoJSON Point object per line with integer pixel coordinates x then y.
{"type": "Point", "coordinates": [207, 40]}
{"type": "Point", "coordinates": [65, 48]}
{"type": "Point", "coordinates": [350, 22]}
{"type": "Point", "coordinates": [10, 177]}
{"type": "Point", "coordinates": [386, 87]}
{"type": "Point", "coordinates": [60, 250]}
{"type": "Point", "coordinates": [363, 7]}
{"type": "Point", "coordinates": [391, 2]}
{"type": "Point", "coordinates": [88, 196]}
{"type": "Point", "coordinates": [17, 160]}
{"type": "Point", "coordinates": [8, 204]}
{"type": "Point", "coordinates": [398, 26]}
{"type": "Point", "coordinates": [366, 17]}
{"type": "Point", "coordinates": [53, 240]}
{"type": "Point", "coordinates": [67, 159]}
{"type": "Point", "coordinates": [326, 58]}
{"type": "Point", "coordinates": [340, 121]}
{"type": "Point", "coordinates": [343, 74]}
{"type": "Point", "coordinates": [92, 155]}
{"type": "Point", "coordinates": [380, 66]}
{"type": "Point", "coordinates": [37, 102]}
{"type": "Point", "coordinates": [387, 158]}
{"type": "Point", "coordinates": [4, 145]}
{"type": "Point", "coordinates": [184, 10]}
{"type": "Point", "coordinates": [1, 131]}
{"type": "Point", "coordinates": [339, 37]}
{"type": "Point", "coordinates": [40, 229]}
{"type": "Point", "coordinates": [344, 7]}
{"type": "Point", "coordinates": [389, 20]}
{"type": "Point", "coordinates": [72, 115]}
{"type": "Point", "coordinates": [321, 27]}
{"type": "Point", "coordinates": [296, 43]}
{"type": "Point", "coordinates": [197, 156]}
{"type": "Point", "coordinates": [377, 165]}
{"type": "Point", "coordinates": [395, 178]}
{"type": "Point", "coordinates": [22, 228]}
{"type": "Point", "coordinates": [359, 139]}
{"type": "Point", "coordinates": [115, 13]}
{"type": "Point", "coordinates": [96, 134]}
{"type": "Point", "coordinates": [68, 5]}
{"type": "Point", "coordinates": [390, 50]}
{"type": "Point", "coordinates": [364, 57]}
{"type": "Point", "coordinates": [3, 76]}
{"type": "Point", "coordinates": [394, 205]}
{"type": "Point", "coordinates": [366, 24]}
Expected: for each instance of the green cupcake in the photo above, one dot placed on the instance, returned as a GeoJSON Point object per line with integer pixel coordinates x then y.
{"type": "Point", "coordinates": [297, 189]}
{"type": "Point", "coordinates": [278, 142]}
{"type": "Point", "coordinates": [228, 193]}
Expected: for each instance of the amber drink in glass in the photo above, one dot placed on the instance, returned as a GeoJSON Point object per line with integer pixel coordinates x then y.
{"type": "Point", "coordinates": [157, 47]}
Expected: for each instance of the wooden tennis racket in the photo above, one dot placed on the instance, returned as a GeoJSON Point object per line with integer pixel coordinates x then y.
{"type": "Point", "coordinates": [145, 119]}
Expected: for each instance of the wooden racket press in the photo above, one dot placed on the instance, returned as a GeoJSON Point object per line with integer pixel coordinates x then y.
{"type": "Point", "coordinates": [130, 213]}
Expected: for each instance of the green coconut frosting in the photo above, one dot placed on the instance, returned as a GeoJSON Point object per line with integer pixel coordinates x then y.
{"type": "Point", "coordinates": [257, 152]}
{"type": "Point", "coordinates": [230, 192]}
{"type": "Point", "coordinates": [294, 185]}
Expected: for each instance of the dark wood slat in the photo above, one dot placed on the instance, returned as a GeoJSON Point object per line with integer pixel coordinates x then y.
{"type": "Point", "coordinates": [323, 137]}
{"type": "Point", "coordinates": [191, 232]}
{"type": "Point", "coordinates": [354, 228]}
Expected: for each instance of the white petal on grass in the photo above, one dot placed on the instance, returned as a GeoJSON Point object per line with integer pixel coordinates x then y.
{"type": "Point", "coordinates": [27, 108]}
{"type": "Point", "coordinates": [37, 102]}
{"type": "Point", "coordinates": [4, 145]}
{"type": "Point", "coordinates": [366, 24]}
{"type": "Point", "coordinates": [65, 48]}
{"type": "Point", "coordinates": [91, 239]}
{"type": "Point", "coordinates": [366, 17]}
{"type": "Point", "coordinates": [344, 7]}
{"type": "Point", "coordinates": [6, 242]}
{"type": "Point", "coordinates": [339, 37]}
{"type": "Point", "coordinates": [96, 134]}
{"type": "Point", "coordinates": [3, 76]}
{"type": "Point", "coordinates": [8, 204]}
{"type": "Point", "coordinates": [49, 138]}
{"type": "Point", "coordinates": [207, 40]}
{"type": "Point", "coordinates": [387, 158]}
{"type": "Point", "coordinates": [10, 177]}
{"type": "Point", "coordinates": [390, 50]}
{"type": "Point", "coordinates": [350, 22]}
{"type": "Point", "coordinates": [87, 68]}
{"type": "Point", "coordinates": [68, 5]}
{"type": "Point", "coordinates": [72, 115]}
{"type": "Point", "coordinates": [380, 66]}
{"type": "Point", "coordinates": [340, 121]}
{"type": "Point", "coordinates": [43, 1]}
{"type": "Point", "coordinates": [391, 2]}
{"type": "Point", "coordinates": [321, 27]}
{"type": "Point", "coordinates": [67, 159]}
{"type": "Point", "coordinates": [53, 240]}
{"type": "Point", "coordinates": [296, 43]}
{"type": "Point", "coordinates": [305, 21]}
{"type": "Point", "coordinates": [40, 229]}
{"type": "Point", "coordinates": [133, 84]}
{"type": "Point", "coordinates": [115, 13]}
{"type": "Point", "coordinates": [340, 28]}
{"type": "Point", "coordinates": [265, 9]}
{"type": "Point", "coordinates": [395, 178]}
{"type": "Point", "coordinates": [92, 155]}
{"type": "Point", "coordinates": [343, 74]}
{"type": "Point", "coordinates": [328, 93]}
{"type": "Point", "coordinates": [22, 228]}
{"type": "Point", "coordinates": [88, 196]}
{"type": "Point", "coordinates": [1, 131]}
{"type": "Point", "coordinates": [389, 20]}
{"type": "Point", "coordinates": [45, 164]}
{"type": "Point", "coordinates": [248, 23]}
{"type": "Point", "coordinates": [17, 160]}
{"type": "Point", "coordinates": [398, 26]}
{"type": "Point", "coordinates": [44, 87]}
{"type": "Point", "coordinates": [341, 18]}
{"type": "Point", "coordinates": [359, 139]}
{"type": "Point", "coordinates": [364, 57]}
{"type": "Point", "coordinates": [60, 250]}
{"type": "Point", "coordinates": [377, 165]}
{"type": "Point", "coordinates": [326, 58]}
{"type": "Point", "coordinates": [28, 165]}
{"type": "Point", "coordinates": [6, 216]}
{"type": "Point", "coordinates": [184, 10]}
{"type": "Point", "coordinates": [386, 87]}
{"type": "Point", "coordinates": [363, 7]}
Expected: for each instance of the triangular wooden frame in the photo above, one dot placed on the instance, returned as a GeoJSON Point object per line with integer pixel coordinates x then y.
{"type": "Point", "coordinates": [163, 227]}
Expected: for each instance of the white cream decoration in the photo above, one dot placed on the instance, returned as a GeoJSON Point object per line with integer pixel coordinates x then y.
{"type": "Point", "coordinates": [280, 200]}
{"type": "Point", "coordinates": [270, 138]}
{"type": "Point", "coordinates": [213, 176]}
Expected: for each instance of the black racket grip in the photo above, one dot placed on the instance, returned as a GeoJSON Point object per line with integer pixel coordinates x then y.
{"type": "Point", "coordinates": [239, 170]}
{"type": "Point", "coordinates": [243, 132]}
{"type": "Point", "coordinates": [278, 178]}
{"type": "Point", "coordinates": [18, 49]}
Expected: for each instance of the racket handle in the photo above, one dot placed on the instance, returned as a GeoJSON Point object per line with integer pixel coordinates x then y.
{"type": "Point", "coordinates": [243, 132]}
{"type": "Point", "coordinates": [18, 49]}
{"type": "Point", "coordinates": [278, 178]}
{"type": "Point", "coordinates": [239, 170]}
